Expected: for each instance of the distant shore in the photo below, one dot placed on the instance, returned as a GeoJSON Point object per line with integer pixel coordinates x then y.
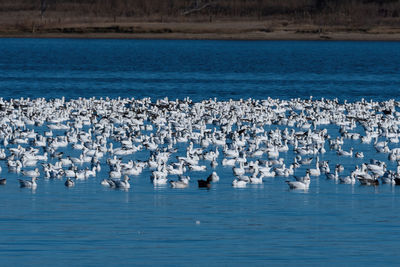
{"type": "Point", "coordinates": [204, 31]}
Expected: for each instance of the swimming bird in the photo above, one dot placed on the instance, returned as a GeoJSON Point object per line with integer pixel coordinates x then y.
{"type": "Point", "coordinates": [348, 179]}
{"type": "Point", "coordinates": [283, 171]}
{"type": "Point", "coordinates": [34, 173]}
{"type": "Point", "coordinates": [302, 161]}
{"type": "Point", "coordinates": [183, 182]}
{"type": "Point", "coordinates": [324, 167]}
{"type": "Point", "coordinates": [159, 180]}
{"type": "Point", "coordinates": [69, 182]}
{"type": "Point", "coordinates": [108, 183]}
{"type": "Point", "coordinates": [333, 176]}
{"type": "Point", "coordinates": [28, 184]}
{"type": "Point", "coordinates": [214, 177]}
{"type": "Point", "coordinates": [256, 180]}
{"type": "Point", "coordinates": [239, 183]}
{"type": "Point", "coordinates": [389, 177]}
{"type": "Point", "coordinates": [303, 183]}
{"type": "Point", "coordinates": [359, 155]}
{"type": "Point", "coordinates": [238, 171]}
{"type": "Point", "coordinates": [3, 181]}
{"type": "Point", "coordinates": [205, 183]}
{"type": "Point", "coordinates": [339, 168]}
{"type": "Point", "coordinates": [341, 152]}
{"type": "Point", "coordinates": [123, 184]}
{"type": "Point", "coordinates": [197, 167]}
{"type": "Point", "coordinates": [316, 171]}
{"type": "Point", "coordinates": [367, 179]}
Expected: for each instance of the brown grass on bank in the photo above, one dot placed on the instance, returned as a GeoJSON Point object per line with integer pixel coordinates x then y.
{"type": "Point", "coordinates": [119, 16]}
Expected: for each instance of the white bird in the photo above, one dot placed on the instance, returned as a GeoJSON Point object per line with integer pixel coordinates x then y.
{"type": "Point", "coordinates": [238, 171]}
{"type": "Point", "coordinates": [256, 180]}
{"type": "Point", "coordinates": [214, 177]}
{"type": "Point", "coordinates": [333, 176]}
{"type": "Point", "coordinates": [239, 183]}
{"type": "Point", "coordinates": [183, 182]}
{"type": "Point", "coordinates": [159, 181]}
{"type": "Point", "coordinates": [367, 179]}
{"type": "Point", "coordinates": [28, 184]}
{"type": "Point", "coordinates": [70, 172]}
{"type": "Point", "coordinates": [341, 152]}
{"type": "Point", "coordinates": [316, 171]}
{"type": "Point", "coordinates": [34, 173]}
{"type": "Point", "coordinates": [389, 177]}
{"type": "Point", "coordinates": [301, 182]}
{"type": "Point", "coordinates": [304, 161]}
{"type": "Point", "coordinates": [107, 183]}
{"type": "Point", "coordinates": [123, 184]}
{"type": "Point", "coordinates": [228, 162]}
{"type": "Point", "coordinates": [116, 174]}
{"type": "Point", "coordinates": [197, 167]}
{"type": "Point", "coordinates": [348, 179]}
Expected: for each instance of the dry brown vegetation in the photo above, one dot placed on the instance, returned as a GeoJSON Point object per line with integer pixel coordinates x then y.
{"type": "Point", "coordinates": [122, 16]}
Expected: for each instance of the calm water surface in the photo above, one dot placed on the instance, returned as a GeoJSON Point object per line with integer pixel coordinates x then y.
{"type": "Point", "coordinates": [199, 69]}
{"type": "Point", "coordinates": [90, 225]}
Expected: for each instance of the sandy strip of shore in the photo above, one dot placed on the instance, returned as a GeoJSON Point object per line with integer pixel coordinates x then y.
{"type": "Point", "coordinates": [206, 31]}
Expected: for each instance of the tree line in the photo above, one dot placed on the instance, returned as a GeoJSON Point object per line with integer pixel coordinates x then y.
{"type": "Point", "coordinates": [198, 9]}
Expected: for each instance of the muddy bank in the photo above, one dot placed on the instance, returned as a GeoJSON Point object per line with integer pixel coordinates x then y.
{"type": "Point", "coordinates": [215, 30]}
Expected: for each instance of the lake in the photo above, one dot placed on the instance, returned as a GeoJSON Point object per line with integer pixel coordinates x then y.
{"type": "Point", "coordinates": [90, 225]}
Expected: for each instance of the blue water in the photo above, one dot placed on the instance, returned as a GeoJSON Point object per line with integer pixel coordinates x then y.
{"type": "Point", "coordinates": [89, 225]}
{"type": "Point", "coordinates": [199, 69]}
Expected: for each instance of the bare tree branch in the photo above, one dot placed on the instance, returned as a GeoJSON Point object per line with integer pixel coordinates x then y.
{"type": "Point", "coordinates": [43, 7]}
{"type": "Point", "coordinates": [197, 9]}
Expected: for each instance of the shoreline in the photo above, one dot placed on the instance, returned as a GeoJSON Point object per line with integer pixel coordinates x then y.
{"type": "Point", "coordinates": [204, 31]}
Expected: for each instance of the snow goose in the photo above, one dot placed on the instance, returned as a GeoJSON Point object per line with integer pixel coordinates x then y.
{"type": "Point", "coordinates": [115, 173]}
{"type": "Point", "coordinates": [108, 183]}
{"type": "Point", "coordinates": [122, 184]}
{"type": "Point", "coordinates": [389, 177]}
{"type": "Point", "coordinates": [183, 182]}
{"type": "Point", "coordinates": [341, 152]}
{"type": "Point", "coordinates": [316, 171]}
{"type": "Point", "coordinates": [214, 177]}
{"type": "Point", "coordinates": [351, 179]}
{"type": "Point", "coordinates": [89, 173]}
{"type": "Point", "coordinates": [256, 180]}
{"type": "Point", "coordinates": [14, 166]}
{"type": "Point", "coordinates": [80, 175]}
{"type": "Point", "coordinates": [324, 167]}
{"type": "Point", "coordinates": [302, 183]}
{"type": "Point", "coordinates": [238, 171]}
{"type": "Point", "coordinates": [333, 176]}
{"type": "Point", "coordinates": [306, 161]}
{"type": "Point", "coordinates": [197, 168]}
{"type": "Point", "coordinates": [176, 171]}
{"type": "Point", "coordinates": [367, 179]}
{"type": "Point", "coordinates": [32, 173]}
{"type": "Point", "coordinates": [28, 184]}
{"type": "Point", "coordinates": [228, 162]}
{"type": "Point", "coordinates": [159, 181]}
{"type": "Point", "coordinates": [359, 155]}
{"type": "Point", "coordinates": [239, 183]}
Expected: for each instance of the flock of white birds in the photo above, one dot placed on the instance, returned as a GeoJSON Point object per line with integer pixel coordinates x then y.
{"type": "Point", "coordinates": [259, 139]}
